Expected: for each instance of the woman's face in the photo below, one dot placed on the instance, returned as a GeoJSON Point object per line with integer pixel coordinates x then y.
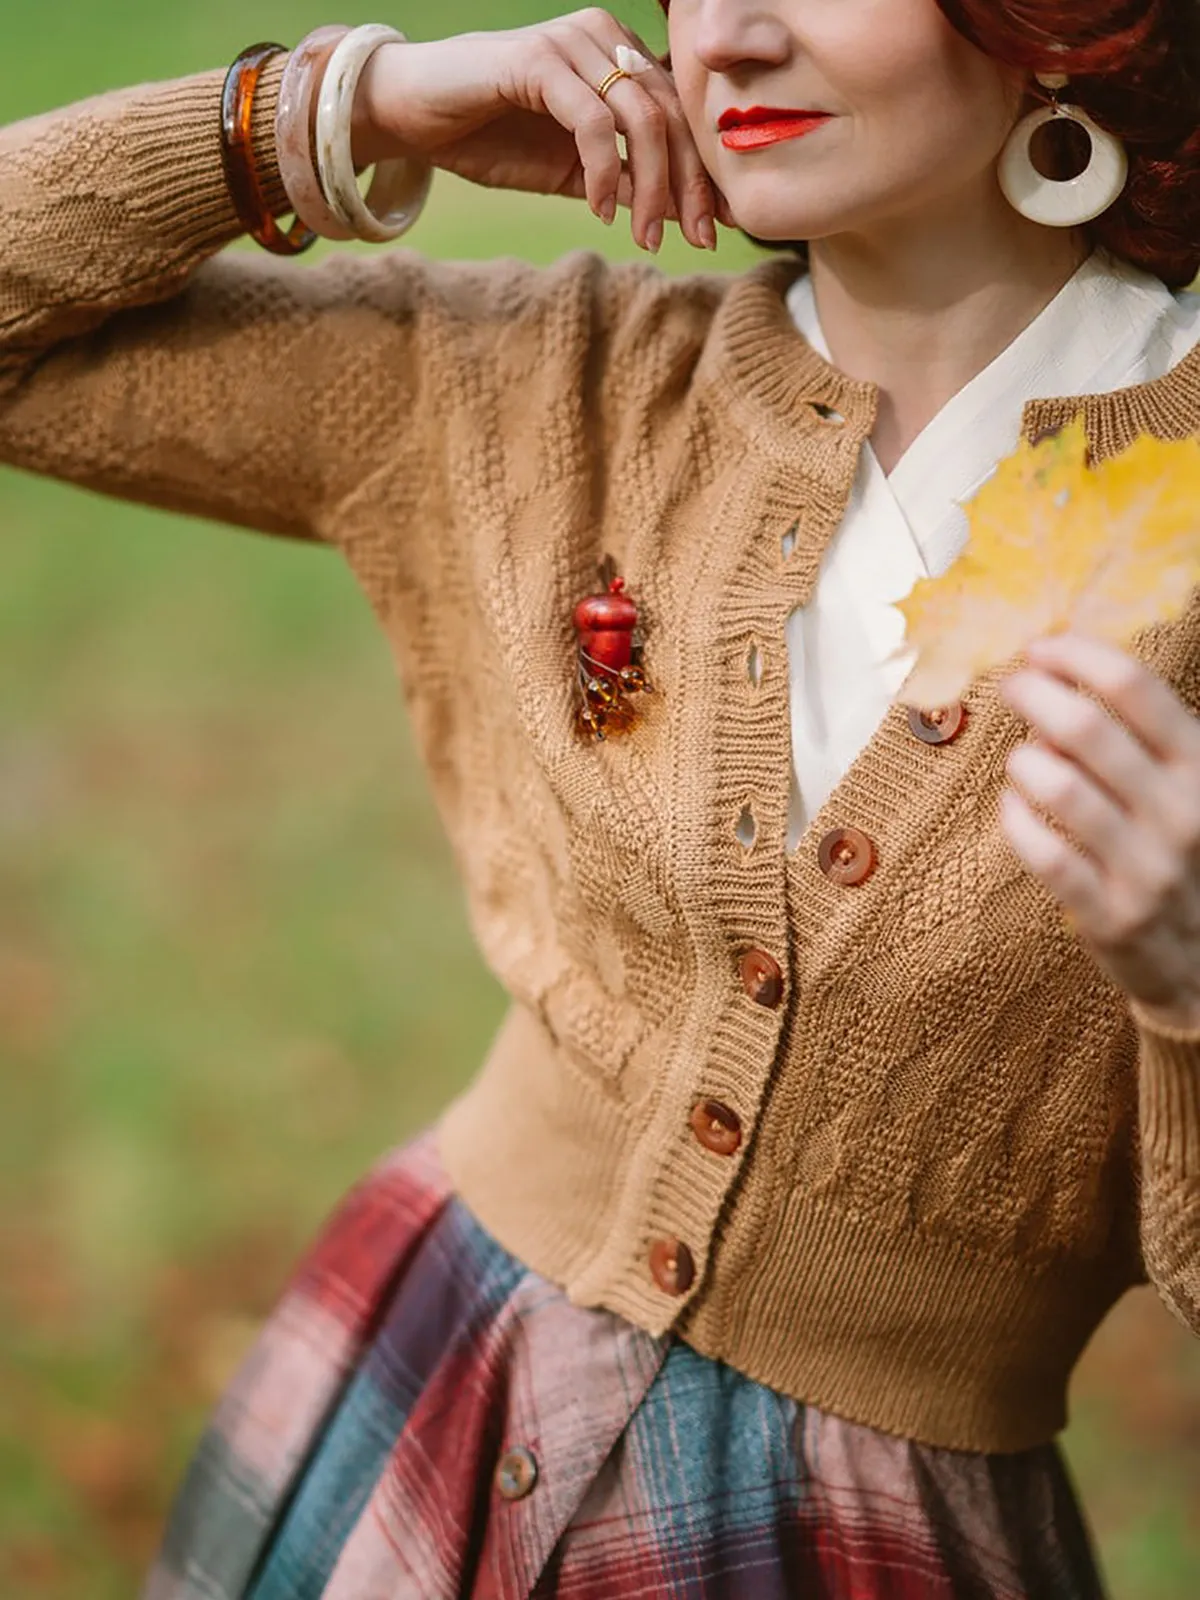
{"type": "Point", "coordinates": [918, 116]}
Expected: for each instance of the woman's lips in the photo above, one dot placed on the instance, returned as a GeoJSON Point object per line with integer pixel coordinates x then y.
{"type": "Point", "coordinates": [752, 135]}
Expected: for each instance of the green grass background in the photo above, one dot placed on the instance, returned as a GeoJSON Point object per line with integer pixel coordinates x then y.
{"type": "Point", "coordinates": [234, 960]}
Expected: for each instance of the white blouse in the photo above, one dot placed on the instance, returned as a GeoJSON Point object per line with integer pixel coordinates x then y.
{"type": "Point", "coordinates": [1109, 327]}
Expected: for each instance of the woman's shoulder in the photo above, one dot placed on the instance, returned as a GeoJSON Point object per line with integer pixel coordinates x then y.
{"type": "Point", "coordinates": [583, 291]}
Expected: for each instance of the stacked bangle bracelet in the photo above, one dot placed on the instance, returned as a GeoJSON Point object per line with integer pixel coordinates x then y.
{"type": "Point", "coordinates": [313, 133]}
{"type": "Point", "coordinates": [241, 176]}
{"type": "Point", "coordinates": [293, 131]}
{"type": "Point", "coordinates": [400, 187]}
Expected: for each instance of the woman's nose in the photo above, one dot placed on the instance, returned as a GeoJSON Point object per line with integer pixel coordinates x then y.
{"type": "Point", "coordinates": [726, 35]}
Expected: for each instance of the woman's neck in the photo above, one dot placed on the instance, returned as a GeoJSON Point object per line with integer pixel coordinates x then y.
{"type": "Point", "coordinates": [921, 310]}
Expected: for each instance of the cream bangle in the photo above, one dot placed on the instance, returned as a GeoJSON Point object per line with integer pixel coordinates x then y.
{"type": "Point", "coordinates": [293, 131]}
{"type": "Point", "coordinates": [401, 186]}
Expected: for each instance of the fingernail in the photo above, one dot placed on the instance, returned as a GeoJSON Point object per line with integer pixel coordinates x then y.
{"type": "Point", "coordinates": [707, 230]}
{"type": "Point", "coordinates": [654, 236]}
{"type": "Point", "coordinates": [608, 209]}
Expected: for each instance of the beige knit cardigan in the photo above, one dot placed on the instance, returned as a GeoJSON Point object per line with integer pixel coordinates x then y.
{"type": "Point", "coordinates": [960, 1145]}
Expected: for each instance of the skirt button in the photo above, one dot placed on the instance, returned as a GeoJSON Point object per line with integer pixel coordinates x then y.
{"type": "Point", "coordinates": [516, 1473]}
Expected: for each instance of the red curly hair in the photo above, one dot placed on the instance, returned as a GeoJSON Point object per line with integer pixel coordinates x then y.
{"type": "Point", "coordinates": [1134, 67]}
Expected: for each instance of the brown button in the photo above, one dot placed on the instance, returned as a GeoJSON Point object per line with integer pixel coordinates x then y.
{"type": "Point", "coordinates": [846, 855]}
{"type": "Point", "coordinates": [762, 977]}
{"type": "Point", "coordinates": [940, 726]}
{"type": "Point", "coordinates": [516, 1473]}
{"type": "Point", "coordinates": [672, 1266]}
{"type": "Point", "coordinates": [716, 1127]}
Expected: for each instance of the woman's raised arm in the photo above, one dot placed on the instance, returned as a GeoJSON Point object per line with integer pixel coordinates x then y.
{"type": "Point", "coordinates": [135, 360]}
{"type": "Point", "coordinates": [138, 360]}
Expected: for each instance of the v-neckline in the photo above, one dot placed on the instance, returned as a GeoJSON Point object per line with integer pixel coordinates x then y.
{"type": "Point", "coordinates": [782, 391]}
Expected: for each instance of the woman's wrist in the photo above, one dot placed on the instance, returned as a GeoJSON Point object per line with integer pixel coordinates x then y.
{"type": "Point", "coordinates": [401, 182]}
{"type": "Point", "coordinates": [329, 130]}
{"type": "Point", "coordinates": [380, 90]}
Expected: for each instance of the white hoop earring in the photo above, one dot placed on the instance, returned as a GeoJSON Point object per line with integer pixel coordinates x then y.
{"type": "Point", "coordinates": [1070, 202]}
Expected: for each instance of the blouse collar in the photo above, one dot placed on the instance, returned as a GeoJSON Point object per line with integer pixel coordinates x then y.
{"type": "Point", "coordinates": [1109, 327]}
{"type": "Point", "coordinates": [782, 391]}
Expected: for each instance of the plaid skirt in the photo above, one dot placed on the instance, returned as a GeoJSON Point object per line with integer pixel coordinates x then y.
{"type": "Point", "coordinates": [422, 1418]}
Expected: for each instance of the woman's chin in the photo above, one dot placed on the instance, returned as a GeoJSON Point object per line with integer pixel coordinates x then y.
{"type": "Point", "coordinates": [769, 217]}
{"type": "Point", "coordinates": [766, 227]}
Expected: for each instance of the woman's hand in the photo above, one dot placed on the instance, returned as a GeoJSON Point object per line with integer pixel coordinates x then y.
{"type": "Point", "coordinates": [1129, 792]}
{"type": "Point", "coordinates": [519, 110]}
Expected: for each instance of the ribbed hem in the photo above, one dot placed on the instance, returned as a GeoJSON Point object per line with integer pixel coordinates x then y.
{"type": "Point", "coordinates": [515, 1191]}
{"type": "Point", "coordinates": [906, 1333]}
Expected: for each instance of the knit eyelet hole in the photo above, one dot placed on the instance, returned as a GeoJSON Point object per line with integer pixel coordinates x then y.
{"type": "Point", "coordinates": [830, 415]}
{"type": "Point", "coordinates": [747, 828]}
{"type": "Point", "coordinates": [788, 543]}
{"type": "Point", "coordinates": [754, 665]}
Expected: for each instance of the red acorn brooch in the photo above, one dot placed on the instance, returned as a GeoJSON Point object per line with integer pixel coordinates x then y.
{"type": "Point", "coordinates": [610, 658]}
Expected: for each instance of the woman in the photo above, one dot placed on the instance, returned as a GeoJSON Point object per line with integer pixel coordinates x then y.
{"type": "Point", "coordinates": [816, 1141]}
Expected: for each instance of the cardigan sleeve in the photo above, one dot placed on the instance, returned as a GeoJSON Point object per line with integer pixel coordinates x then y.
{"type": "Point", "coordinates": [138, 360]}
{"type": "Point", "coordinates": [1169, 1097]}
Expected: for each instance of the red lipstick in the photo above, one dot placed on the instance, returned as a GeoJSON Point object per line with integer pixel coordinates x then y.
{"type": "Point", "coordinates": [762, 125]}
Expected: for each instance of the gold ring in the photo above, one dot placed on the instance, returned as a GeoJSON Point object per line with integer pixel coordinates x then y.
{"type": "Point", "coordinates": [617, 72]}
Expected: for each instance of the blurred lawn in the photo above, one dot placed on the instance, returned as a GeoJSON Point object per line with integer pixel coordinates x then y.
{"type": "Point", "coordinates": [234, 961]}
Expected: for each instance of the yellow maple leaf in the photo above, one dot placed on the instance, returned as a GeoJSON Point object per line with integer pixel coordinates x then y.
{"type": "Point", "coordinates": [1054, 546]}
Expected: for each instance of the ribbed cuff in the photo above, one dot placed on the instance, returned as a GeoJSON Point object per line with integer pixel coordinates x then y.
{"type": "Point", "coordinates": [262, 134]}
{"type": "Point", "coordinates": [1169, 1094]}
{"type": "Point", "coordinates": [175, 166]}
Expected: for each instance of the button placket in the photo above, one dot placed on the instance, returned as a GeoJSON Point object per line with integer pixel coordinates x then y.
{"type": "Point", "coordinates": [704, 1122]}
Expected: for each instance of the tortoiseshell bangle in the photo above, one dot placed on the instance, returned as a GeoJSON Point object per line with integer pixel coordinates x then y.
{"type": "Point", "coordinates": [237, 155]}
